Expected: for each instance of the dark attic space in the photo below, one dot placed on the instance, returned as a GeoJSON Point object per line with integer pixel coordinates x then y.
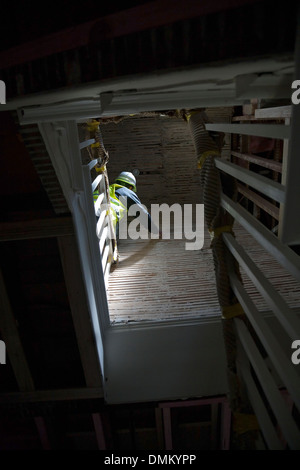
{"type": "Point", "coordinates": [177, 338]}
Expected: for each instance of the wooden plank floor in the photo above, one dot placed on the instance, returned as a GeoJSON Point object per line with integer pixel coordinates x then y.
{"type": "Point", "coordinates": [160, 280]}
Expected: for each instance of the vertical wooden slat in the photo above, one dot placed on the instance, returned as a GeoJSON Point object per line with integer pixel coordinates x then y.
{"type": "Point", "coordinates": [167, 428]}
{"type": "Point", "coordinates": [225, 425]}
{"type": "Point", "coordinates": [159, 428]}
{"type": "Point", "coordinates": [285, 154]}
{"type": "Point", "coordinates": [43, 433]}
{"type": "Point", "coordinates": [100, 435]}
{"type": "Point", "coordinates": [214, 426]}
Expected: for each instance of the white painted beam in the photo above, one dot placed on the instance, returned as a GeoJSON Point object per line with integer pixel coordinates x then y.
{"type": "Point", "coordinates": [278, 406]}
{"type": "Point", "coordinates": [283, 254]}
{"type": "Point", "coordinates": [282, 363]}
{"type": "Point", "coordinates": [287, 318]}
{"type": "Point", "coordinates": [272, 131]}
{"type": "Point", "coordinates": [277, 112]}
{"type": "Point", "coordinates": [290, 226]}
{"type": "Point", "coordinates": [267, 427]}
{"type": "Point", "coordinates": [264, 185]}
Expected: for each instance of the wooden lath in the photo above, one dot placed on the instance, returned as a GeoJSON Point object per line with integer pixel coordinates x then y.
{"type": "Point", "coordinates": [36, 148]}
{"type": "Point", "coordinates": [159, 280]}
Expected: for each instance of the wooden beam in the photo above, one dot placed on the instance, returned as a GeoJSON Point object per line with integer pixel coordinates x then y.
{"type": "Point", "coordinates": [263, 417]}
{"type": "Point", "coordinates": [283, 254]}
{"type": "Point", "coordinates": [100, 435]}
{"type": "Point", "coordinates": [273, 131]}
{"type": "Point", "coordinates": [285, 159]}
{"type": "Point", "coordinates": [10, 335]}
{"type": "Point", "coordinates": [262, 184]}
{"type": "Point", "coordinates": [167, 420]}
{"type": "Point", "coordinates": [285, 315]}
{"type": "Point", "coordinates": [80, 312]}
{"type": "Point", "coordinates": [159, 428]}
{"type": "Point", "coordinates": [265, 378]}
{"type": "Point", "coordinates": [245, 117]}
{"type": "Point", "coordinates": [280, 112]}
{"type": "Point", "coordinates": [39, 228]}
{"type": "Point", "coordinates": [264, 162]}
{"type": "Point", "coordinates": [225, 425]}
{"type": "Point", "coordinates": [197, 402]}
{"type": "Point", "coordinates": [214, 426]}
{"type": "Point", "coordinates": [36, 396]}
{"type": "Point", "coordinates": [259, 201]}
{"type": "Point", "coordinates": [290, 227]}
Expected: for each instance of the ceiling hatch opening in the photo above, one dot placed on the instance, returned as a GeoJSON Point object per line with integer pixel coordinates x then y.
{"type": "Point", "coordinates": [157, 280]}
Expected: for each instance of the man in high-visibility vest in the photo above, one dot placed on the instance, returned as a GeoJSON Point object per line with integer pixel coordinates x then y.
{"type": "Point", "coordinates": [124, 188]}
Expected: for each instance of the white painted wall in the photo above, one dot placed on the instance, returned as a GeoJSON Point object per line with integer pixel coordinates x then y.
{"type": "Point", "coordinates": [165, 362]}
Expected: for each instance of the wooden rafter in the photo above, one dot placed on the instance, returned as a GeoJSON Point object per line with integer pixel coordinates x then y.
{"type": "Point", "coordinates": [36, 396]}
{"type": "Point", "coordinates": [38, 228]}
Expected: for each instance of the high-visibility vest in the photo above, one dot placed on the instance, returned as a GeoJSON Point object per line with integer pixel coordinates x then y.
{"type": "Point", "coordinates": [118, 209]}
{"type": "Point", "coordinates": [95, 195]}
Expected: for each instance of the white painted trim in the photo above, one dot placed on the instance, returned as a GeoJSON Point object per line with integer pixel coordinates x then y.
{"type": "Point", "coordinates": [165, 362]}
{"type": "Point", "coordinates": [219, 73]}
{"type": "Point", "coordinates": [276, 352]}
{"type": "Point", "coordinates": [273, 131]}
{"type": "Point", "coordinates": [267, 427]}
{"type": "Point", "coordinates": [290, 227]}
{"type": "Point", "coordinates": [282, 253]}
{"type": "Point", "coordinates": [285, 315]}
{"type": "Point", "coordinates": [282, 413]}
{"type": "Point", "coordinates": [264, 185]}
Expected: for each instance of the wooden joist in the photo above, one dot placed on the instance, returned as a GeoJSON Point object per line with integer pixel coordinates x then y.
{"type": "Point", "coordinates": [280, 112]}
{"type": "Point", "coordinates": [264, 162]}
{"type": "Point", "coordinates": [275, 113]}
{"type": "Point", "coordinates": [36, 396]}
{"type": "Point", "coordinates": [272, 131]}
{"type": "Point", "coordinates": [259, 201]}
{"type": "Point", "coordinates": [39, 228]}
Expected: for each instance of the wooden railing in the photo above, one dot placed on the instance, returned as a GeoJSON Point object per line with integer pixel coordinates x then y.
{"type": "Point", "coordinates": [264, 381]}
{"type": "Point", "coordinates": [102, 220]}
